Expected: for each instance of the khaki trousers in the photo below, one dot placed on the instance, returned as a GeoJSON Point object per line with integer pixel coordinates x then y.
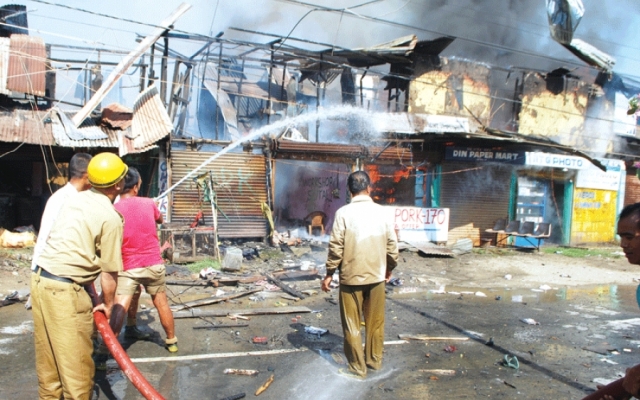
{"type": "Point", "coordinates": [63, 324]}
{"type": "Point", "coordinates": [355, 302]}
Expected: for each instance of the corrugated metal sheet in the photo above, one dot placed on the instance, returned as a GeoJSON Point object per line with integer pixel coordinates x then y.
{"type": "Point", "coordinates": [632, 189]}
{"type": "Point", "coordinates": [224, 102]}
{"type": "Point", "coordinates": [25, 126]}
{"type": "Point", "coordinates": [150, 119]}
{"type": "Point", "coordinates": [89, 130]}
{"type": "Point", "coordinates": [4, 64]}
{"type": "Point", "coordinates": [240, 184]}
{"type": "Point", "coordinates": [350, 151]}
{"type": "Point", "coordinates": [475, 198]}
{"type": "Point", "coordinates": [116, 116]}
{"type": "Point", "coordinates": [87, 135]}
{"type": "Point", "coordinates": [27, 65]}
{"type": "Point", "coordinates": [46, 128]}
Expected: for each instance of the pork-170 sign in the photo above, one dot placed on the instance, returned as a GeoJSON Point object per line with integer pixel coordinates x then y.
{"type": "Point", "coordinates": [420, 224]}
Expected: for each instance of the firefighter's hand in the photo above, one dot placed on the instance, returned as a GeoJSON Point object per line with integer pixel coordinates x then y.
{"type": "Point", "coordinates": [106, 310]}
{"type": "Point", "coordinates": [325, 283]}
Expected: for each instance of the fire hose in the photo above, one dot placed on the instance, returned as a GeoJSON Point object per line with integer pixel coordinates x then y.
{"type": "Point", "coordinates": [111, 341]}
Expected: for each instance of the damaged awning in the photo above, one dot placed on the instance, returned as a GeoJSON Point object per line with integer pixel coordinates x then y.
{"type": "Point", "coordinates": [54, 128]}
{"type": "Point", "coordinates": [151, 122]}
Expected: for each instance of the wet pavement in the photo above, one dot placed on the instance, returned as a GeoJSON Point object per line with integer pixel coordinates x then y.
{"type": "Point", "coordinates": [553, 362]}
{"type": "Point", "coordinates": [583, 333]}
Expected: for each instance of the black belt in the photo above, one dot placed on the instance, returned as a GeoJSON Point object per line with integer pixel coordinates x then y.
{"type": "Point", "coordinates": [49, 275]}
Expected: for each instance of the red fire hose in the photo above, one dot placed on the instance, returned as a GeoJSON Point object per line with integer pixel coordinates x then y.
{"type": "Point", "coordinates": [614, 389]}
{"type": "Point", "coordinates": [121, 357]}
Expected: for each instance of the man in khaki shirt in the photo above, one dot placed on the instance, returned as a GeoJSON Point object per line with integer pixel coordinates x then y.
{"type": "Point", "coordinates": [85, 240]}
{"type": "Point", "coordinates": [364, 248]}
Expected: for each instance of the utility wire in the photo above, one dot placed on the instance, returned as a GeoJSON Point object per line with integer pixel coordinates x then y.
{"type": "Point", "coordinates": [324, 9]}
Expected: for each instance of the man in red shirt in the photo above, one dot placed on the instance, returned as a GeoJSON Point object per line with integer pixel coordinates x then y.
{"type": "Point", "coordinates": [142, 263]}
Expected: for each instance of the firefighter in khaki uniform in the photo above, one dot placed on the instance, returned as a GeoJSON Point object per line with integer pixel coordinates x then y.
{"type": "Point", "coordinates": [85, 241]}
{"type": "Point", "coordinates": [364, 248]}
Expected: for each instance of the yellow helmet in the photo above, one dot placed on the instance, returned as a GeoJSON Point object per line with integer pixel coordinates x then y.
{"type": "Point", "coordinates": [106, 169]}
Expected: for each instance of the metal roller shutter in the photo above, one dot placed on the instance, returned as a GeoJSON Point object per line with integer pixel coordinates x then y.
{"type": "Point", "coordinates": [240, 184]}
{"type": "Point", "coordinates": [476, 195]}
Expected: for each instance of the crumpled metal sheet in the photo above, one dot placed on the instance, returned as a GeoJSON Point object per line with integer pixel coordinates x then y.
{"type": "Point", "coordinates": [86, 131]}
{"type": "Point", "coordinates": [564, 17]}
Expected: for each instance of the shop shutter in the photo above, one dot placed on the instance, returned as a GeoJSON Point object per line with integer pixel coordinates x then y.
{"type": "Point", "coordinates": [476, 195]}
{"type": "Point", "coordinates": [240, 184]}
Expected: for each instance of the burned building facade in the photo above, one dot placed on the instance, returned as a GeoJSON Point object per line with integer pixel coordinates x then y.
{"type": "Point", "coordinates": [249, 138]}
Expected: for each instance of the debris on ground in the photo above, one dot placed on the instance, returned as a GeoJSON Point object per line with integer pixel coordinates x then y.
{"type": "Point", "coordinates": [196, 313]}
{"type": "Point", "coordinates": [530, 321]}
{"type": "Point", "coordinates": [248, 372]}
{"type": "Point", "coordinates": [12, 298]}
{"type": "Point", "coordinates": [312, 330]}
{"type": "Point", "coordinates": [206, 273]}
{"type": "Point", "coordinates": [235, 396]}
{"type": "Point", "coordinates": [396, 282]}
{"type": "Point", "coordinates": [211, 300]}
{"type": "Point", "coordinates": [265, 385]}
{"type": "Point", "coordinates": [442, 372]}
{"type": "Point", "coordinates": [259, 340]}
{"type": "Point", "coordinates": [406, 336]}
{"type": "Point", "coordinates": [450, 349]}
{"type": "Point", "coordinates": [232, 260]}
{"type": "Point", "coordinates": [511, 361]}
{"type": "Point", "coordinates": [16, 240]}
{"type": "Point", "coordinates": [221, 326]}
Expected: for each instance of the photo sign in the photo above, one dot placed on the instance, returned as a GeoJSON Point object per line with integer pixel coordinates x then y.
{"type": "Point", "coordinates": [420, 224]}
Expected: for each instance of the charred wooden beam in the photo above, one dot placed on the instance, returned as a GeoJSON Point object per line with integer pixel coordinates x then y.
{"type": "Point", "coordinates": [284, 286]}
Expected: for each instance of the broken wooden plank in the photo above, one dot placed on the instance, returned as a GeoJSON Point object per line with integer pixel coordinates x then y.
{"type": "Point", "coordinates": [221, 326]}
{"type": "Point", "coordinates": [211, 283]}
{"type": "Point", "coordinates": [218, 282]}
{"type": "Point", "coordinates": [249, 311]}
{"type": "Point", "coordinates": [211, 300]}
{"type": "Point", "coordinates": [406, 336]}
{"type": "Point", "coordinates": [284, 286]}
{"type": "Point", "coordinates": [126, 62]}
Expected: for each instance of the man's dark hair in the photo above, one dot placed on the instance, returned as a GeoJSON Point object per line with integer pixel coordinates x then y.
{"type": "Point", "coordinates": [358, 181]}
{"type": "Point", "coordinates": [131, 179]}
{"type": "Point", "coordinates": [78, 165]}
{"type": "Point", "coordinates": [632, 210]}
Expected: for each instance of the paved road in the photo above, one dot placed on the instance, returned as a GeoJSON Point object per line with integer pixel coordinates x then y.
{"type": "Point", "coordinates": [553, 362]}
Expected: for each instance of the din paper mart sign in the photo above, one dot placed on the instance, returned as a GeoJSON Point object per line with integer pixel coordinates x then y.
{"type": "Point", "coordinates": [420, 224]}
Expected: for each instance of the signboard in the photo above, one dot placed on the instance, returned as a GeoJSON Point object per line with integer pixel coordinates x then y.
{"type": "Point", "coordinates": [163, 184]}
{"type": "Point", "coordinates": [470, 154]}
{"type": "Point", "coordinates": [420, 224]}
{"type": "Point", "coordinates": [593, 177]}
{"type": "Point", "coordinates": [540, 159]}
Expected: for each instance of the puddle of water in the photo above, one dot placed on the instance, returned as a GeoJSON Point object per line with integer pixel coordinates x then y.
{"type": "Point", "coordinates": [602, 299]}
